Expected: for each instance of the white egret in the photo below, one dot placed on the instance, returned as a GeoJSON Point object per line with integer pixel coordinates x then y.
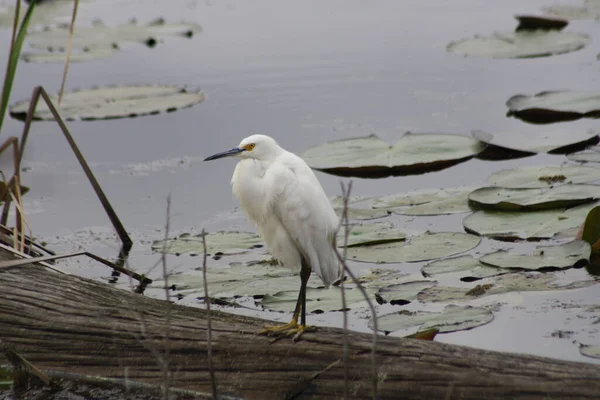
{"type": "Point", "coordinates": [281, 195]}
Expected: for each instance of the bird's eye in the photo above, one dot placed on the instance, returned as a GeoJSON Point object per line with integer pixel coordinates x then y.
{"type": "Point", "coordinates": [250, 147]}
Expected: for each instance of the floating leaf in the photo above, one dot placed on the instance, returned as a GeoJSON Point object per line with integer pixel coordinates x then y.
{"type": "Point", "coordinates": [427, 202]}
{"type": "Point", "coordinates": [362, 214]}
{"type": "Point", "coordinates": [323, 299]}
{"type": "Point", "coordinates": [543, 176]}
{"type": "Point", "coordinates": [568, 195]}
{"type": "Point", "coordinates": [530, 142]}
{"type": "Point", "coordinates": [412, 154]}
{"type": "Point", "coordinates": [555, 106]}
{"type": "Point", "coordinates": [113, 102]}
{"type": "Point", "coordinates": [534, 225]}
{"type": "Point", "coordinates": [99, 40]}
{"type": "Point", "coordinates": [590, 154]}
{"type": "Point", "coordinates": [453, 318]}
{"type": "Point", "coordinates": [219, 242]}
{"type": "Point", "coordinates": [402, 293]}
{"type": "Point", "coordinates": [427, 246]}
{"type": "Point", "coordinates": [590, 231]}
{"type": "Point", "coordinates": [470, 268]}
{"type": "Point", "coordinates": [520, 44]}
{"type": "Point", "coordinates": [517, 282]}
{"type": "Point", "coordinates": [371, 234]}
{"type": "Point", "coordinates": [589, 350]}
{"type": "Point", "coordinates": [591, 10]}
{"type": "Point", "coordinates": [530, 23]}
{"type": "Point", "coordinates": [428, 334]}
{"type": "Point", "coordinates": [559, 256]}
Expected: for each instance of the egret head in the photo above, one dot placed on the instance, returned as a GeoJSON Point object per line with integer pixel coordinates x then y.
{"type": "Point", "coordinates": [260, 147]}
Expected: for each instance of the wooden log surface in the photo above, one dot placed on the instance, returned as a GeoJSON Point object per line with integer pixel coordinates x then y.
{"type": "Point", "coordinates": [71, 324]}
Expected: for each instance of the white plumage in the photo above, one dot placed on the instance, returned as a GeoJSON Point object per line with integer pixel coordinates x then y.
{"type": "Point", "coordinates": [281, 195]}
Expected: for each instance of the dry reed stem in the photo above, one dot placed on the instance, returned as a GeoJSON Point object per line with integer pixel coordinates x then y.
{"type": "Point", "coordinates": [69, 47]}
{"type": "Point", "coordinates": [211, 369]}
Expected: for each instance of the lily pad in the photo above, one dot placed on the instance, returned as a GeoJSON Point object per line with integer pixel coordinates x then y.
{"type": "Point", "coordinates": [590, 154]}
{"type": "Point", "coordinates": [402, 293]}
{"type": "Point", "coordinates": [516, 282]}
{"type": "Point", "coordinates": [453, 318]}
{"type": "Point", "coordinates": [225, 243]}
{"type": "Point", "coordinates": [554, 106]}
{"type": "Point", "coordinates": [111, 102]}
{"type": "Point", "coordinates": [590, 10]}
{"type": "Point", "coordinates": [362, 214]}
{"type": "Point", "coordinates": [427, 202]}
{"type": "Point", "coordinates": [532, 22]}
{"type": "Point", "coordinates": [427, 246]}
{"type": "Point", "coordinates": [323, 299]}
{"type": "Point", "coordinates": [564, 196]}
{"type": "Point", "coordinates": [543, 176]}
{"type": "Point", "coordinates": [77, 55]}
{"type": "Point", "coordinates": [520, 44]}
{"type": "Point", "coordinates": [559, 256]}
{"type": "Point", "coordinates": [239, 280]}
{"type": "Point", "coordinates": [371, 234]}
{"type": "Point", "coordinates": [469, 267]}
{"type": "Point", "coordinates": [534, 225]}
{"type": "Point", "coordinates": [589, 350]}
{"type": "Point", "coordinates": [100, 40]}
{"type": "Point", "coordinates": [531, 142]}
{"type": "Point", "coordinates": [412, 154]}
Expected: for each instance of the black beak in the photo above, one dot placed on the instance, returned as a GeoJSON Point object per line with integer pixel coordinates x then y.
{"type": "Point", "coordinates": [228, 153]}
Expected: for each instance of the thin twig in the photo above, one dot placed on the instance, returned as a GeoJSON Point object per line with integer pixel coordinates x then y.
{"type": "Point", "coordinates": [167, 332]}
{"type": "Point", "coordinates": [344, 223]}
{"type": "Point", "coordinates": [359, 286]}
{"type": "Point", "coordinates": [211, 370]}
{"type": "Point", "coordinates": [69, 46]}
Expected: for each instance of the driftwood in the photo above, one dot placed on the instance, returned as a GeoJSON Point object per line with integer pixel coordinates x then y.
{"type": "Point", "coordinates": [65, 323]}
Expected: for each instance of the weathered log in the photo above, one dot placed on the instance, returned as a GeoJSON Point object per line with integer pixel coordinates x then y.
{"type": "Point", "coordinates": [72, 324]}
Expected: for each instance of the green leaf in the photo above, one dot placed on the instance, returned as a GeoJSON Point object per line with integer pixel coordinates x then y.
{"type": "Point", "coordinates": [371, 234]}
{"type": "Point", "coordinates": [427, 202]}
{"type": "Point", "coordinates": [321, 299]}
{"type": "Point", "coordinates": [470, 268]}
{"type": "Point", "coordinates": [590, 154]}
{"type": "Point", "coordinates": [534, 225]}
{"type": "Point", "coordinates": [412, 154]}
{"type": "Point", "coordinates": [111, 102]}
{"type": "Point", "coordinates": [555, 106]}
{"type": "Point", "coordinates": [520, 44]}
{"type": "Point", "coordinates": [13, 61]}
{"type": "Point", "coordinates": [589, 350]}
{"type": "Point", "coordinates": [226, 243]}
{"type": "Point", "coordinates": [568, 195]}
{"type": "Point", "coordinates": [403, 293]}
{"type": "Point", "coordinates": [591, 10]}
{"type": "Point", "coordinates": [453, 318]}
{"type": "Point", "coordinates": [536, 141]}
{"type": "Point", "coordinates": [543, 176]}
{"type": "Point", "coordinates": [427, 246]}
{"type": "Point", "coordinates": [558, 256]}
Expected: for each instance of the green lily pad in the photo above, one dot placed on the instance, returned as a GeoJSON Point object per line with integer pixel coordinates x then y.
{"type": "Point", "coordinates": [534, 225]}
{"type": "Point", "coordinates": [412, 154]}
{"type": "Point", "coordinates": [559, 256]}
{"type": "Point", "coordinates": [371, 234]}
{"type": "Point", "coordinates": [100, 40]}
{"type": "Point", "coordinates": [323, 299]}
{"type": "Point", "coordinates": [453, 318]}
{"type": "Point", "coordinates": [111, 102]}
{"type": "Point", "coordinates": [536, 141]}
{"type": "Point", "coordinates": [555, 106]}
{"type": "Point", "coordinates": [543, 176]}
{"type": "Point", "coordinates": [239, 280]}
{"type": "Point", "coordinates": [590, 10]}
{"type": "Point", "coordinates": [427, 202]}
{"type": "Point", "coordinates": [363, 214]}
{"type": "Point", "coordinates": [225, 243]}
{"type": "Point", "coordinates": [427, 246]}
{"type": "Point", "coordinates": [520, 44]}
{"type": "Point", "coordinates": [498, 198]}
{"type": "Point", "coordinates": [77, 55]}
{"type": "Point", "coordinates": [590, 154]}
{"type": "Point", "coordinates": [516, 282]}
{"type": "Point", "coordinates": [589, 350]}
{"type": "Point", "coordinates": [469, 267]}
{"type": "Point", "coordinates": [402, 293]}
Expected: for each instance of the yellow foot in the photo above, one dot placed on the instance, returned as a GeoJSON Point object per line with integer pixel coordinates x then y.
{"type": "Point", "coordinates": [292, 328]}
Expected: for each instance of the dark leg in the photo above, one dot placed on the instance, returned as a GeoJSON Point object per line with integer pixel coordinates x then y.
{"type": "Point", "coordinates": [304, 276]}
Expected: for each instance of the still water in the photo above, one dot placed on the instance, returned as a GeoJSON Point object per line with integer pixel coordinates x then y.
{"type": "Point", "coordinates": [304, 72]}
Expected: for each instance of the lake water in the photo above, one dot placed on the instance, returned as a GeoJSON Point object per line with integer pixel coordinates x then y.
{"type": "Point", "coordinates": [304, 72]}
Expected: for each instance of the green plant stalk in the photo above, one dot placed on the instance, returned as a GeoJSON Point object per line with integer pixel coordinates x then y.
{"type": "Point", "coordinates": [13, 58]}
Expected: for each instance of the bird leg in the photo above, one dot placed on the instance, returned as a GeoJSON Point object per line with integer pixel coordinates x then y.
{"type": "Point", "coordinates": [293, 328]}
